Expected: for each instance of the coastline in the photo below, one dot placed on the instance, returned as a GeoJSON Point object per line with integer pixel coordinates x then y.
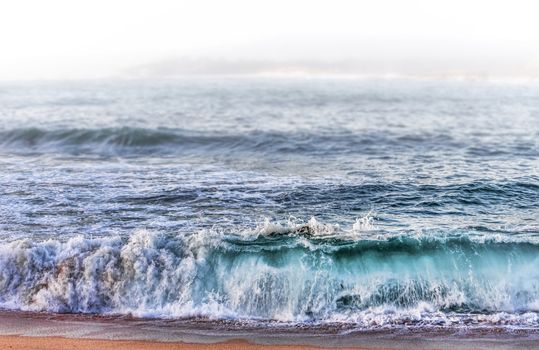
{"type": "Point", "coordinates": [47, 331]}
{"type": "Point", "coordinates": [58, 343]}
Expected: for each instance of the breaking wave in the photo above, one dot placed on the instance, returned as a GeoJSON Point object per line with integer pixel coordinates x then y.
{"type": "Point", "coordinates": [311, 272]}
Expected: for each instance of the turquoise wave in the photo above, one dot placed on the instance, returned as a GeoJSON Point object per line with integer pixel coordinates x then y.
{"type": "Point", "coordinates": [289, 276]}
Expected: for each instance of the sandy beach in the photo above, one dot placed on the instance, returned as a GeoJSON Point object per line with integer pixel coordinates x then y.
{"type": "Point", "coordinates": [58, 343]}
{"type": "Point", "coordinates": [45, 331]}
{"type": "Point", "coordinates": [33, 331]}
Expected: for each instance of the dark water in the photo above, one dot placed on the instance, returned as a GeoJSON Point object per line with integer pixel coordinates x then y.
{"type": "Point", "coordinates": [372, 203]}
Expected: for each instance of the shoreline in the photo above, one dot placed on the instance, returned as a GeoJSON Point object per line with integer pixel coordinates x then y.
{"type": "Point", "coordinates": [17, 342]}
{"type": "Point", "coordinates": [48, 331]}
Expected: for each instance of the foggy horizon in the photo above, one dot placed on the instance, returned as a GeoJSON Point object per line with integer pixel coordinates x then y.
{"type": "Point", "coordinates": [60, 40]}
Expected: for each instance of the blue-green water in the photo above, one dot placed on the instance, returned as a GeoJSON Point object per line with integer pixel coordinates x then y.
{"type": "Point", "coordinates": [371, 203]}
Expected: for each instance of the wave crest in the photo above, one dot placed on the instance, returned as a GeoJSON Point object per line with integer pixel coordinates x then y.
{"type": "Point", "coordinates": [290, 277]}
{"type": "Point", "coordinates": [132, 140]}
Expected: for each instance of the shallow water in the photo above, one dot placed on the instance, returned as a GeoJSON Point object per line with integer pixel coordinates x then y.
{"type": "Point", "coordinates": [371, 203]}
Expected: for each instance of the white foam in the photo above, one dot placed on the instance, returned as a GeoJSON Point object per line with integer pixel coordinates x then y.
{"type": "Point", "coordinates": [204, 274]}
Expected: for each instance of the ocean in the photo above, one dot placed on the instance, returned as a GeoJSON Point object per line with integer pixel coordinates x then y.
{"type": "Point", "coordinates": [374, 204]}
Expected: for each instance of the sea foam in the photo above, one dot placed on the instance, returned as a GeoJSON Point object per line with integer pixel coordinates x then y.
{"type": "Point", "coordinates": [278, 273]}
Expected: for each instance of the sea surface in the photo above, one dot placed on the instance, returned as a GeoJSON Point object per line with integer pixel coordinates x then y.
{"type": "Point", "coordinates": [375, 204]}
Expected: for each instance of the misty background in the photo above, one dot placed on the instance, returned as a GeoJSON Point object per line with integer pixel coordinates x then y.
{"type": "Point", "coordinates": [62, 39]}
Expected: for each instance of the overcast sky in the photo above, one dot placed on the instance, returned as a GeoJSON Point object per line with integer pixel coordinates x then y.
{"type": "Point", "coordinates": [59, 39]}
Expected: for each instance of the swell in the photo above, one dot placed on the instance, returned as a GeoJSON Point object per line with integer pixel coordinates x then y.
{"type": "Point", "coordinates": [299, 274]}
{"type": "Point", "coordinates": [131, 140]}
{"type": "Point", "coordinates": [104, 140]}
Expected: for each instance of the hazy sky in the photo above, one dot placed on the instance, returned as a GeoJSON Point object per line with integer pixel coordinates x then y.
{"type": "Point", "coordinates": [57, 39]}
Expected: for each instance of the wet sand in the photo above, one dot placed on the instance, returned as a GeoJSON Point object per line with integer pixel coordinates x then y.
{"type": "Point", "coordinates": [45, 331]}
{"type": "Point", "coordinates": [57, 343]}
